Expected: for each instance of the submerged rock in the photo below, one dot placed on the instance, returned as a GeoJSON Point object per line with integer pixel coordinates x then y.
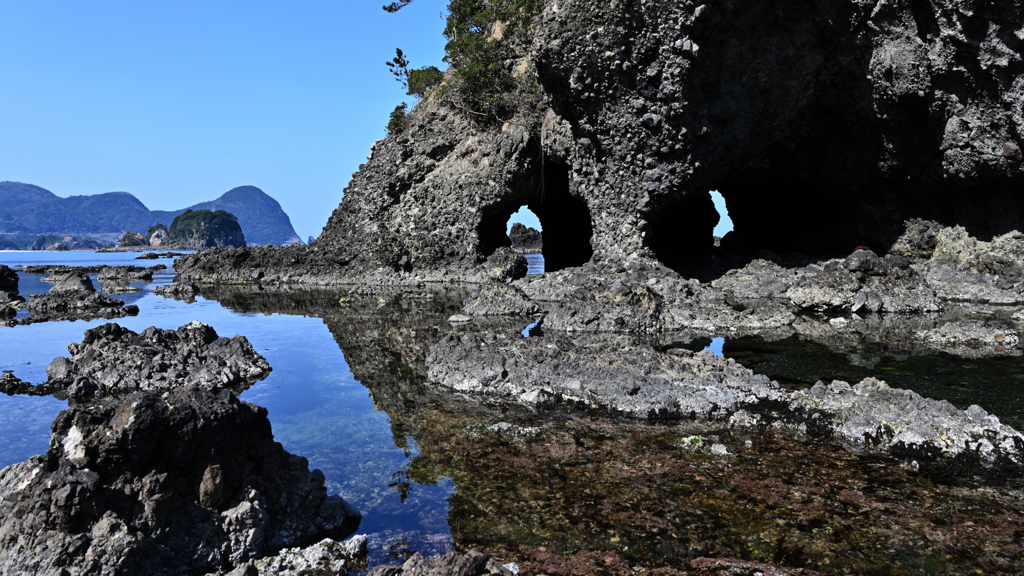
{"type": "Point", "coordinates": [181, 483]}
{"type": "Point", "coordinates": [972, 339]}
{"type": "Point", "coordinates": [114, 361]}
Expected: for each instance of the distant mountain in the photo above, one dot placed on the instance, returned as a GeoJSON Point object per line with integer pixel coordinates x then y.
{"type": "Point", "coordinates": [31, 210]}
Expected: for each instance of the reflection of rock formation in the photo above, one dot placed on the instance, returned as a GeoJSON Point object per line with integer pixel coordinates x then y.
{"type": "Point", "coordinates": [590, 489]}
{"type": "Point", "coordinates": [183, 483]}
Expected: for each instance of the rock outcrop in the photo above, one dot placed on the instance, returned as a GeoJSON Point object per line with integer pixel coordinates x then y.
{"type": "Point", "coordinates": [526, 240]}
{"type": "Point", "coordinates": [861, 115]}
{"type": "Point", "coordinates": [617, 376]}
{"type": "Point", "coordinates": [114, 361]}
{"type": "Point", "coordinates": [74, 297]}
{"type": "Point", "coordinates": [8, 285]}
{"type": "Point", "coordinates": [181, 483]}
{"type": "Point", "coordinates": [472, 563]}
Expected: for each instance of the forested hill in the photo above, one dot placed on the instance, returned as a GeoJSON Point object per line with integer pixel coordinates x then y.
{"type": "Point", "coordinates": [30, 210]}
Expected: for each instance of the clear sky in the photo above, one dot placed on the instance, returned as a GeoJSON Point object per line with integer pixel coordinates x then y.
{"type": "Point", "coordinates": [178, 102]}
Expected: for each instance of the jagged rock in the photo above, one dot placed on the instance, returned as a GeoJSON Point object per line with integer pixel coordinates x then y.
{"type": "Point", "coordinates": [972, 339]}
{"type": "Point", "coordinates": [327, 557]}
{"type": "Point", "coordinates": [902, 422]}
{"type": "Point", "coordinates": [8, 284]}
{"type": "Point", "coordinates": [760, 279]}
{"type": "Point", "coordinates": [614, 374]}
{"type": "Point", "coordinates": [124, 274]}
{"type": "Point", "coordinates": [1003, 256]}
{"type": "Point", "coordinates": [499, 299]}
{"type": "Point", "coordinates": [595, 371]}
{"type": "Point", "coordinates": [114, 361]}
{"type": "Point", "coordinates": [526, 240]}
{"type": "Point", "coordinates": [126, 489]}
{"type": "Point", "coordinates": [472, 563]}
{"type": "Point", "coordinates": [186, 292]}
{"type": "Point", "coordinates": [653, 105]}
{"type": "Point", "coordinates": [73, 282]}
{"type": "Point", "coordinates": [918, 239]}
{"type": "Point", "coordinates": [864, 281]}
{"type": "Point", "coordinates": [75, 306]}
{"type": "Point", "coordinates": [72, 297]}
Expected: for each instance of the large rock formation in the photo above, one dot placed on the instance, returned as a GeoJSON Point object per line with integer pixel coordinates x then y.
{"type": "Point", "coordinates": [860, 114]}
{"type": "Point", "coordinates": [181, 483]}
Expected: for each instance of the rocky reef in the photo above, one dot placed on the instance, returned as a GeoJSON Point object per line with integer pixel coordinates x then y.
{"type": "Point", "coordinates": [863, 116]}
{"type": "Point", "coordinates": [114, 361]}
{"type": "Point", "coordinates": [526, 240]}
{"type": "Point", "coordinates": [157, 468]}
{"type": "Point", "coordinates": [190, 481]}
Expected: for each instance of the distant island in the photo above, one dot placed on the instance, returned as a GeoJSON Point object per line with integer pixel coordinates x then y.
{"type": "Point", "coordinates": [28, 212]}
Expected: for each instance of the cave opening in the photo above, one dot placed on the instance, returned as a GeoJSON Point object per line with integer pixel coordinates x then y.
{"type": "Point", "coordinates": [681, 228]}
{"type": "Point", "coordinates": [563, 218]}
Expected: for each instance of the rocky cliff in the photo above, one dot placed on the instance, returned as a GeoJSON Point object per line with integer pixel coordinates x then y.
{"type": "Point", "coordinates": [824, 125]}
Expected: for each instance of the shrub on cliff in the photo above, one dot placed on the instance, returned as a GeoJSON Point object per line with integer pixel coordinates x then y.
{"type": "Point", "coordinates": [486, 38]}
{"type": "Point", "coordinates": [205, 229]}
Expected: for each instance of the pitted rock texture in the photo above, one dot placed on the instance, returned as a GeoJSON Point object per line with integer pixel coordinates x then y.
{"type": "Point", "coordinates": [184, 483]}
{"type": "Point", "coordinates": [616, 375]}
{"type": "Point", "coordinates": [598, 372]}
{"type": "Point", "coordinates": [862, 114]}
{"type": "Point", "coordinates": [498, 299]}
{"type": "Point", "coordinates": [327, 557]}
{"type": "Point", "coordinates": [76, 305]}
{"type": "Point", "coordinates": [471, 563]}
{"type": "Point", "coordinates": [902, 422]}
{"type": "Point", "coordinates": [973, 339]}
{"type": "Point", "coordinates": [114, 361]}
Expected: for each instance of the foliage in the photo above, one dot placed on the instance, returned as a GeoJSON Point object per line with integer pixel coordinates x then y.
{"type": "Point", "coordinates": [153, 230]}
{"type": "Point", "coordinates": [397, 117]}
{"type": "Point", "coordinates": [421, 80]}
{"type": "Point", "coordinates": [485, 38]}
{"type": "Point", "coordinates": [417, 81]}
{"type": "Point", "coordinates": [207, 228]}
{"type": "Point", "coordinates": [132, 239]}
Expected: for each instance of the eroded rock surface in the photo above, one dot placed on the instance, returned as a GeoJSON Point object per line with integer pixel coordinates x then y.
{"type": "Point", "coordinates": [183, 483]}
{"type": "Point", "coordinates": [114, 361]}
{"type": "Point", "coordinates": [471, 563]}
{"type": "Point", "coordinates": [615, 375]}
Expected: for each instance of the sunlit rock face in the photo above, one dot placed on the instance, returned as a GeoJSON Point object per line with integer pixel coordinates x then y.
{"type": "Point", "coordinates": [825, 125]}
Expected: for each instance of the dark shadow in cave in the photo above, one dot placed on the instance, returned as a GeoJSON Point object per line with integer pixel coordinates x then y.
{"type": "Point", "coordinates": [564, 218]}
{"type": "Point", "coordinates": [680, 229]}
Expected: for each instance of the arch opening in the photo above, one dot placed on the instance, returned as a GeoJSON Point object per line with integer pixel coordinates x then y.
{"type": "Point", "coordinates": [681, 229]}
{"type": "Point", "coordinates": [563, 219]}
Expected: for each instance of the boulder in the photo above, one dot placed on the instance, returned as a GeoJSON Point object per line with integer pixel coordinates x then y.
{"type": "Point", "coordinates": [180, 483]}
{"type": "Point", "coordinates": [114, 361]}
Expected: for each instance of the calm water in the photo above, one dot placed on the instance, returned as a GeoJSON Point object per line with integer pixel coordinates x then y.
{"type": "Point", "coordinates": [316, 407]}
{"type": "Point", "coordinates": [348, 392]}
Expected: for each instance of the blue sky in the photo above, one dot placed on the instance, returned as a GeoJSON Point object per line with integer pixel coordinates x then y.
{"type": "Point", "coordinates": [178, 102]}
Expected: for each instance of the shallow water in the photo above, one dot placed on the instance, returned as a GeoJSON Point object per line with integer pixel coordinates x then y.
{"type": "Point", "coordinates": [348, 392]}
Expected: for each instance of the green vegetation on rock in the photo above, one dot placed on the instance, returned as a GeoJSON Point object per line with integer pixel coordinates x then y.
{"type": "Point", "coordinates": [154, 229]}
{"type": "Point", "coordinates": [132, 239]}
{"type": "Point", "coordinates": [206, 229]}
{"type": "Point", "coordinates": [487, 44]}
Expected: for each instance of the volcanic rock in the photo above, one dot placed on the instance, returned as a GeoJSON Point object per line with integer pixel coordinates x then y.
{"type": "Point", "coordinates": [499, 299]}
{"type": "Point", "coordinates": [472, 563]}
{"type": "Point", "coordinates": [973, 339]}
{"type": "Point", "coordinates": [114, 361]}
{"type": "Point", "coordinates": [183, 483]}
